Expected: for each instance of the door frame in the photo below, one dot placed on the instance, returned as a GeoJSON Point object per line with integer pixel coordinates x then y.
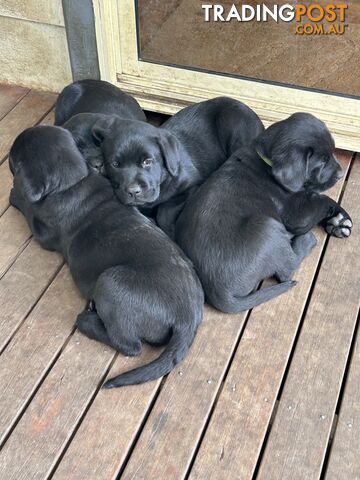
{"type": "Point", "coordinates": [167, 89]}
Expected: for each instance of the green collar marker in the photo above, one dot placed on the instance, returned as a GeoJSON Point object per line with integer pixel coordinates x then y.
{"type": "Point", "coordinates": [265, 159]}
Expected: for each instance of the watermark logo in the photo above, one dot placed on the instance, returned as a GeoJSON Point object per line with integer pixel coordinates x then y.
{"type": "Point", "coordinates": [311, 19]}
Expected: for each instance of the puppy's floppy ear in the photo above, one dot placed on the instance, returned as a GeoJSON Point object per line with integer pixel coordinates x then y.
{"type": "Point", "coordinates": [290, 167]}
{"type": "Point", "coordinates": [32, 182]}
{"type": "Point", "coordinates": [288, 156]}
{"type": "Point", "coordinates": [28, 176]}
{"type": "Point", "coordinates": [45, 160]}
{"type": "Point", "coordinates": [101, 128]}
{"type": "Point", "coordinates": [170, 150]}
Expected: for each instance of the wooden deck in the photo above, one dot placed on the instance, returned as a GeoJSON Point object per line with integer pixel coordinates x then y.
{"type": "Point", "coordinates": [274, 394]}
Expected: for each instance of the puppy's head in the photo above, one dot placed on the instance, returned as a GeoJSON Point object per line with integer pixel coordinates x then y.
{"type": "Point", "coordinates": [80, 126]}
{"type": "Point", "coordinates": [138, 157]}
{"type": "Point", "coordinates": [301, 149]}
{"type": "Point", "coordinates": [45, 160]}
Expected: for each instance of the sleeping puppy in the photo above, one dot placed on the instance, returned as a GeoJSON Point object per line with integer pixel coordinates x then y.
{"type": "Point", "coordinates": [80, 126]}
{"type": "Point", "coordinates": [149, 165]}
{"type": "Point", "coordinates": [143, 286]}
{"type": "Point", "coordinates": [252, 218]}
{"type": "Point", "coordinates": [95, 96]}
{"type": "Point", "coordinates": [81, 104]}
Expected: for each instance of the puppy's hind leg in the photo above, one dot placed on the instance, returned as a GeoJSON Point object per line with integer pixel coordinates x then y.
{"type": "Point", "coordinates": [90, 324]}
{"type": "Point", "coordinates": [123, 341]}
{"type": "Point", "coordinates": [301, 246]}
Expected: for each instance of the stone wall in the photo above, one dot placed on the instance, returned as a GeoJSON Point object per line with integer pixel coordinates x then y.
{"type": "Point", "coordinates": [33, 46]}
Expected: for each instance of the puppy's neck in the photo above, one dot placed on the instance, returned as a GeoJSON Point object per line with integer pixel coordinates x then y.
{"type": "Point", "coordinates": [79, 200]}
{"type": "Point", "coordinates": [264, 158]}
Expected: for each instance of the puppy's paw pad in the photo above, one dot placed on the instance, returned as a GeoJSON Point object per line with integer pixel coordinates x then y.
{"type": "Point", "coordinates": [339, 226]}
{"type": "Point", "coordinates": [347, 223]}
{"type": "Point", "coordinates": [342, 232]}
{"type": "Point", "coordinates": [336, 220]}
{"type": "Point", "coordinates": [339, 232]}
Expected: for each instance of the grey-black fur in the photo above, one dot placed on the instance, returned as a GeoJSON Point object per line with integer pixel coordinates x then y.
{"type": "Point", "coordinates": [251, 220]}
{"type": "Point", "coordinates": [143, 286]}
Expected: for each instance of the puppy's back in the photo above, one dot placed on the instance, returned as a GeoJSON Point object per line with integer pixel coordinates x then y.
{"type": "Point", "coordinates": [95, 96]}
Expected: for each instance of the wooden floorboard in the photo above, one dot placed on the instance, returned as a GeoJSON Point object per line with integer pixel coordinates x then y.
{"type": "Point", "coordinates": [214, 416]}
{"type": "Point", "coordinates": [6, 181]}
{"type": "Point", "coordinates": [29, 111]}
{"type": "Point", "coordinates": [187, 394]}
{"type": "Point", "coordinates": [345, 459]}
{"type": "Point", "coordinates": [22, 286]}
{"type": "Point", "coordinates": [9, 97]}
{"type": "Point", "coordinates": [39, 340]}
{"type": "Point", "coordinates": [184, 404]}
{"type": "Point", "coordinates": [298, 439]}
{"type": "Point", "coordinates": [55, 410]}
{"type": "Point", "coordinates": [14, 236]}
{"type": "Point", "coordinates": [110, 426]}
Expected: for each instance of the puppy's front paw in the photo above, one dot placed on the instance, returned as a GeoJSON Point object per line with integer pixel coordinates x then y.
{"type": "Point", "coordinates": [339, 226]}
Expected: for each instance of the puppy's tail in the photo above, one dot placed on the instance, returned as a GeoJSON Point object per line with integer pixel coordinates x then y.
{"type": "Point", "coordinates": [175, 351]}
{"type": "Point", "coordinates": [239, 304]}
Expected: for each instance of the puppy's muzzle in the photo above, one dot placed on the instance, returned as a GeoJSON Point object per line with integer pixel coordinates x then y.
{"type": "Point", "coordinates": [98, 166]}
{"type": "Point", "coordinates": [134, 191]}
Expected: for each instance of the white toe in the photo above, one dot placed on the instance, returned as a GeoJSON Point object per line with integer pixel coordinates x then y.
{"type": "Point", "coordinates": [336, 220]}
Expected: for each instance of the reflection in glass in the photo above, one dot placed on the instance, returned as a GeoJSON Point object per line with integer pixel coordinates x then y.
{"type": "Point", "coordinates": [175, 32]}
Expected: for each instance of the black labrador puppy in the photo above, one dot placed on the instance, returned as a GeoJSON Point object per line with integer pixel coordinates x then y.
{"type": "Point", "coordinates": [95, 96]}
{"type": "Point", "coordinates": [80, 126]}
{"type": "Point", "coordinates": [149, 165]}
{"type": "Point", "coordinates": [143, 286]}
{"type": "Point", "coordinates": [81, 104]}
{"type": "Point", "coordinates": [252, 218]}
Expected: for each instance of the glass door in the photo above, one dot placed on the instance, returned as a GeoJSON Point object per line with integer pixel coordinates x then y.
{"type": "Point", "coordinates": [289, 57]}
{"type": "Point", "coordinates": [321, 55]}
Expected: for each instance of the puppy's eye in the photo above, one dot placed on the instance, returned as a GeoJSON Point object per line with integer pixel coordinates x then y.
{"type": "Point", "coordinates": [116, 164]}
{"type": "Point", "coordinates": [147, 163]}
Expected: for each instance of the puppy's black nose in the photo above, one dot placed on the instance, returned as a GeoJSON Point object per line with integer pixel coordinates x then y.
{"type": "Point", "coordinates": [97, 165]}
{"type": "Point", "coordinates": [134, 190]}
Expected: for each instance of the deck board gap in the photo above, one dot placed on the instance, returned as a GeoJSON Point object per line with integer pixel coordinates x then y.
{"type": "Point", "coordinates": [2, 213]}
{"type": "Point", "coordinates": [37, 122]}
{"type": "Point", "coordinates": [82, 416]}
{"type": "Point", "coordinates": [303, 317]}
{"type": "Point", "coordinates": [141, 428]}
{"type": "Point", "coordinates": [15, 104]}
{"type": "Point", "coordinates": [265, 440]}
{"type": "Point", "coordinates": [46, 113]}
{"type": "Point", "coordinates": [313, 284]}
{"type": "Point", "coordinates": [13, 260]}
{"type": "Point", "coordinates": [298, 332]}
{"type": "Point", "coordinates": [32, 308]}
{"type": "Point", "coordinates": [221, 386]}
{"type": "Point", "coordinates": [348, 363]}
{"type": "Point", "coordinates": [42, 378]}
{"type": "Point", "coordinates": [341, 396]}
